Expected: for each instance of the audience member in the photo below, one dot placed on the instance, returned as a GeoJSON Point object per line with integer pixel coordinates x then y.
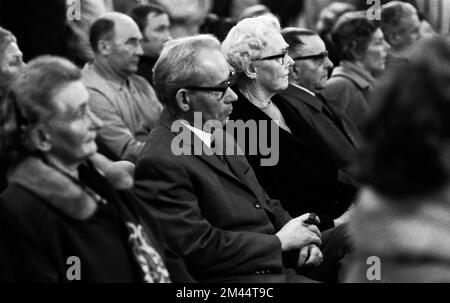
{"type": "Point", "coordinates": [10, 65]}
{"type": "Point", "coordinates": [402, 212]}
{"type": "Point", "coordinates": [154, 24]}
{"type": "Point", "coordinates": [402, 29]}
{"type": "Point", "coordinates": [254, 11]}
{"type": "Point", "coordinates": [211, 207]}
{"type": "Point", "coordinates": [258, 53]}
{"type": "Point", "coordinates": [327, 19]}
{"type": "Point", "coordinates": [124, 101]}
{"type": "Point", "coordinates": [186, 16]}
{"type": "Point", "coordinates": [363, 52]}
{"type": "Point", "coordinates": [58, 203]}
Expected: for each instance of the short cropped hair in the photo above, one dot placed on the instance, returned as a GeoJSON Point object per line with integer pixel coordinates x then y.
{"type": "Point", "coordinates": [391, 15]}
{"type": "Point", "coordinates": [180, 65]}
{"type": "Point", "coordinates": [294, 37]}
{"type": "Point", "coordinates": [407, 136]}
{"type": "Point", "coordinates": [247, 39]}
{"type": "Point", "coordinates": [101, 29]}
{"type": "Point", "coordinates": [352, 34]}
{"type": "Point", "coordinates": [140, 13]}
{"type": "Point", "coordinates": [30, 101]}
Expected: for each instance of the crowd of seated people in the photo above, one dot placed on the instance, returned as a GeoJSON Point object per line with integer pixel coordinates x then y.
{"type": "Point", "coordinates": [243, 154]}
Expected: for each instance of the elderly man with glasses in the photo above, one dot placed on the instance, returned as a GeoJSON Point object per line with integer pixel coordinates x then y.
{"type": "Point", "coordinates": [211, 206]}
{"type": "Point", "coordinates": [334, 133]}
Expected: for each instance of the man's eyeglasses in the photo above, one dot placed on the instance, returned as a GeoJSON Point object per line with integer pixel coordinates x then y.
{"type": "Point", "coordinates": [283, 56]}
{"type": "Point", "coordinates": [322, 56]}
{"type": "Point", "coordinates": [222, 89]}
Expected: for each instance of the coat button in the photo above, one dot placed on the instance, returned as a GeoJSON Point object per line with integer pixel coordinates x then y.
{"type": "Point", "coordinates": [257, 205]}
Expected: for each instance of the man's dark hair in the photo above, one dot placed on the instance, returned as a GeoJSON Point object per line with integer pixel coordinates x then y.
{"type": "Point", "coordinates": [101, 29]}
{"type": "Point", "coordinates": [293, 36]}
{"type": "Point", "coordinates": [352, 34]}
{"type": "Point", "coordinates": [140, 13]}
{"type": "Point", "coordinates": [407, 136]}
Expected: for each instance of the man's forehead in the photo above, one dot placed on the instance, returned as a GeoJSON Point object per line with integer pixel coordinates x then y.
{"type": "Point", "coordinates": [312, 45]}
{"type": "Point", "coordinates": [213, 65]}
{"type": "Point", "coordinates": [126, 28]}
{"type": "Point", "coordinates": [157, 17]}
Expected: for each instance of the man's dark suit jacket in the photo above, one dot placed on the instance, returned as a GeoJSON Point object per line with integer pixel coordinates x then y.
{"type": "Point", "coordinates": [341, 136]}
{"type": "Point", "coordinates": [306, 177]}
{"type": "Point", "coordinates": [218, 219]}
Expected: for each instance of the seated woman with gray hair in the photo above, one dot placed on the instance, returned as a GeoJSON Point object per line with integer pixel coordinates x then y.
{"type": "Point", "coordinates": [303, 178]}
{"type": "Point", "coordinates": [63, 216]}
{"type": "Point", "coordinates": [362, 52]}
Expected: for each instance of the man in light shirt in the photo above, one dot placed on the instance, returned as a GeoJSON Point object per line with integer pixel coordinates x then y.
{"type": "Point", "coordinates": [124, 101]}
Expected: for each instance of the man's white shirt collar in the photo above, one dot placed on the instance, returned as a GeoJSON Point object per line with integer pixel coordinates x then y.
{"type": "Point", "coordinates": [204, 136]}
{"type": "Point", "coordinates": [304, 89]}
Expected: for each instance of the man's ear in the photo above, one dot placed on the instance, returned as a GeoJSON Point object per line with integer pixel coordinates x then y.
{"type": "Point", "coordinates": [40, 139]}
{"type": "Point", "coordinates": [104, 47]}
{"type": "Point", "coordinates": [183, 101]}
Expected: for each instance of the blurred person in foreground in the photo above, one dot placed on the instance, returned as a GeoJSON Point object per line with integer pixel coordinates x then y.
{"type": "Point", "coordinates": [402, 213]}
{"type": "Point", "coordinates": [362, 53]}
{"type": "Point", "coordinates": [59, 204]}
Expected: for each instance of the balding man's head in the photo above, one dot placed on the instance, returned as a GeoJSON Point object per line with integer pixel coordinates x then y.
{"type": "Point", "coordinates": [115, 38]}
{"type": "Point", "coordinates": [107, 25]}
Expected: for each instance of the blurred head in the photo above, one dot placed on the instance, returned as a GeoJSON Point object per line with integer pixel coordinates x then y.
{"type": "Point", "coordinates": [154, 24]}
{"type": "Point", "coordinates": [258, 53]}
{"type": "Point", "coordinates": [47, 114]}
{"type": "Point", "coordinates": [192, 75]}
{"type": "Point", "coordinates": [400, 24]}
{"type": "Point", "coordinates": [407, 136]}
{"type": "Point", "coordinates": [116, 41]}
{"type": "Point", "coordinates": [311, 63]}
{"type": "Point", "coordinates": [255, 11]}
{"type": "Point", "coordinates": [360, 40]}
{"type": "Point", "coordinates": [10, 55]}
{"type": "Point", "coordinates": [330, 14]}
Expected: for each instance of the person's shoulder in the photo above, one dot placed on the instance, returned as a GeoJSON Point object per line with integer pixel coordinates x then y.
{"type": "Point", "coordinates": [23, 203]}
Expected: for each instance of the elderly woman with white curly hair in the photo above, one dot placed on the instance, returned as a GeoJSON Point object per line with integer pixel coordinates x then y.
{"type": "Point", "coordinates": [259, 55]}
{"type": "Point", "coordinates": [305, 178]}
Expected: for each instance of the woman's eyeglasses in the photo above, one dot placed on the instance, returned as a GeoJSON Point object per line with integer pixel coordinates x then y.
{"type": "Point", "coordinates": [283, 56]}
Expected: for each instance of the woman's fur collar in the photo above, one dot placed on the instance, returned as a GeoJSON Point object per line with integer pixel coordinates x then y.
{"type": "Point", "coordinates": [56, 188]}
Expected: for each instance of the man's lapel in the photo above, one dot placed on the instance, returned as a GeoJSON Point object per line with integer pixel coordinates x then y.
{"type": "Point", "coordinates": [197, 148]}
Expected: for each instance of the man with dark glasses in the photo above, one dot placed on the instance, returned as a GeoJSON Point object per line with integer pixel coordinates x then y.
{"type": "Point", "coordinates": [332, 130]}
